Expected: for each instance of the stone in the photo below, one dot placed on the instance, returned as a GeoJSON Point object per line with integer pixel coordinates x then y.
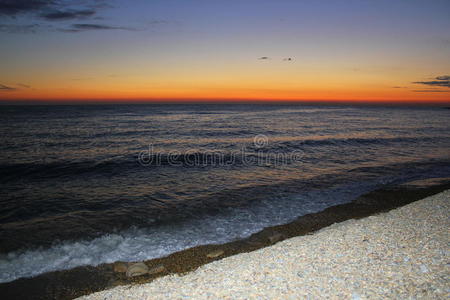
{"type": "Point", "coordinates": [356, 296]}
{"type": "Point", "coordinates": [215, 254]}
{"type": "Point", "coordinates": [137, 269]}
{"type": "Point", "coordinates": [115, 282]}
{"type": "Point", "coordinates": [157, 269]}
{"type": "Point", "coordinates": [276, 238]}
{"type": "Point", "coordinates": [255, 243]}
{"type": "Point", "coordinates": [423, 268]}
{"type": "Point", "coordinates": [120, 267]}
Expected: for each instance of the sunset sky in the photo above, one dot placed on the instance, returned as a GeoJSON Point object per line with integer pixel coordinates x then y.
{"type": "Point", "coordinates": [365, 50]}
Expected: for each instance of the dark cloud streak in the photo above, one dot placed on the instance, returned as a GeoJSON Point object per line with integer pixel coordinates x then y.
{"type": "Point", "coordinates": [89, 27]}
{"type": "Point", "coordinates": [83, 15]}
{"type": "Point", "coordinates": [430, 91]}
{"type": "Point", "coordinates": [68, 15]}
{"type": "Point", "coordinates": [11, 28]}
{"type": "Point", "coordinates": [443, 81]}
{"type": "Point", "coordinates": [6, 88]}
{"type": "Point", "coordinates": [51, 10]}
{"type": "Point", "coordinates": [15, 7]}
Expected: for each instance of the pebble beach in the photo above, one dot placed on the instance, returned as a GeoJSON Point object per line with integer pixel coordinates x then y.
{"type": "Point", "coordinates": [400, 254]}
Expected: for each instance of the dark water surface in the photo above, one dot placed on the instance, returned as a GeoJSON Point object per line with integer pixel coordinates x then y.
{"type": "Point", "coordinates": [84, 185]}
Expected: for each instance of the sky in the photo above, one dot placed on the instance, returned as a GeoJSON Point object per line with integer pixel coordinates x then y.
{"type": "Point", "coordinates": [212, 50]}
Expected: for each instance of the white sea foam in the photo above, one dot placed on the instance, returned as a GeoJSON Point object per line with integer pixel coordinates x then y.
{"type": "Point", "coordinates": [143, 244]}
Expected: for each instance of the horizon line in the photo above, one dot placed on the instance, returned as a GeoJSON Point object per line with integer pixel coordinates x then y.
{"type": "Point", "coordinates": [217, 101]}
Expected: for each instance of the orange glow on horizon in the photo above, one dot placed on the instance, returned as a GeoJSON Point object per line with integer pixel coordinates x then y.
{"type": "Point", "coordinates": [214, 95]}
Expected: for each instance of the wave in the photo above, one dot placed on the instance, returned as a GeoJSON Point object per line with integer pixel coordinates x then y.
{"type": "Point", "coordinates": [142, 244]}
{"type": "Point", "coordinates": [163, 238]}
{"type": "Point", "coordinates": [113, 166]}
{"type": "Point", "coordinates": [356, 141]}
{"type": "Point", "coordinates": [9, 172]}
{"type": "Point", "coordinates": [251, 155]}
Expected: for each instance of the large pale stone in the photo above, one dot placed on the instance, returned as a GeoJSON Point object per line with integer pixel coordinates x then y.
{"type": "Point", "coordinates": [215, 254]}
{"type": "Point", "coordinates": [137, 269]}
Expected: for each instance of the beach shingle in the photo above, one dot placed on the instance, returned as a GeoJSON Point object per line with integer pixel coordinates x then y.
{"type": "Point", "coordinates": [400, 254]}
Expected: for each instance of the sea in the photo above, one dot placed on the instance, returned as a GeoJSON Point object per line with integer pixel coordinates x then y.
{"type": "Point", "coordinates": [91, 184]}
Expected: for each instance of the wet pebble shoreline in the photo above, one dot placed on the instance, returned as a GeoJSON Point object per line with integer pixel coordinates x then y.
{"type": "Point", "coordinates": [399, 254]}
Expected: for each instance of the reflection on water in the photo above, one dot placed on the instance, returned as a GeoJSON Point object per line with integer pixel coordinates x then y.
{"type": "Point", "coordinates": [72, 172]}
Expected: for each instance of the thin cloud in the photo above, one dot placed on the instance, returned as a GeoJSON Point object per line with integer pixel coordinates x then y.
{"type": "Point", "coordinates": [90, 27]}
{"type": "Point", "coordinates": [264, 58]}
{"type": "Point", "coordinates": [100, 4]}
{"type": "Point", "coordinates": [24, 85]}
{"type": "Point", "coordinates": [52, 9]}
{"type": "Point", "coordinates": [11, 28]}
{"type": "Point", "coordinates": [44, 14]}
{"type": "Point", "coordinates": [15, 7]}
{"type": "Point", "coordinates": [443, 81]}
{"type": "Point", "coordinates": [157, 22]}
{"type": "Point", "coordinates": [82, 78]}
{"type": "Point", "coordinates": [68, 15]}
{"type": "Point", "coordinates": [430, 91]}
{"type": "Point", "coordinates": [6, 88]}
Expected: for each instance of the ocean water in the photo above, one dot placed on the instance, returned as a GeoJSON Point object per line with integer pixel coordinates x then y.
{"type": "Point", "coordinates": [85, 185]}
